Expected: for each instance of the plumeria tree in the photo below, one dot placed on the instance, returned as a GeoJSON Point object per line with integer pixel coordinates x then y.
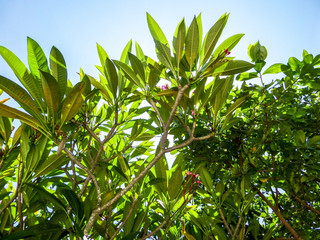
{"type": "Point", "coordinates": [88, 159]}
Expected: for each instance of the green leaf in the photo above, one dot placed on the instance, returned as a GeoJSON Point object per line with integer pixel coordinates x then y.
{"type": "Point", "coordinates": [128, 72]}
{"type": "Point", "coordinates": [21, 96]}
{"type": "Point", "coordinates": [236, 104]}
{"type": "Point", "coordinates": [206, 178]}
{"type": "Point", "coordinates": [175, 182]}
{"type": "Point", "coordinates": [230, 68]}
{"type": "Point", "coordinates": [228, 44]}
{"type": "Point", "coordinates": [246, 76]}
{"type": "Point", "coordinates": [35, 231]}
{"type": "Point", "coordinates": [156, 31]}
{"type": "Point", "coordinates": [212, 38]}
{"type": "Point", "coordinates": [124, 56]}
{"type": "Point", "coordinates": [72, 103]}
{"type": "Point", "coordinates": [36, 58]}
{"type": "Point", "coordinates": [192, 42]}
{"type": "Point", "coordinates": [59, 69]}
{"type": "Point", "coordinates": [29, 82]}
{"type": "Point", "coordinates": [276, 68]}
{"type": "Point", "coordinates": [73, 200]}
{"type": "Point", "coordinates": [178, 41]}
{"type": "Point", "coordinates": [140, 53]}
{"type": "Point", "coordinates": [100, 87]}
{"type": "Point", "coordinates": [102, 54]}
{"type": "Point", "coordinates": [300, 138]}
{"type": "Point", "coordinates": [10, 112]}
{"type": "Point", "coordinates": [53, 162]}
{"type": "Point", "coordinates": [48, 196]}
{"type": "Point", "coordinates": [137, 67]}
{"type": "Point", "coordinates": [51, 92]}
{"type": "Point", "coordinates": [112, 76]}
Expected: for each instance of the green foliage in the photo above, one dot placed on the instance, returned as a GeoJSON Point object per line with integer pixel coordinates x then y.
{"type": "Point", "coordinates": [92, 159]}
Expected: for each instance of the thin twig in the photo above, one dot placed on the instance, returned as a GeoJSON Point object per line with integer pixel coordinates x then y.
{"type": "Point", "coordinates": [279, 215]}
{"type": "Point", "coordinates": [225, 222]}
{"type": "Point", "coordinates": [126, 219]}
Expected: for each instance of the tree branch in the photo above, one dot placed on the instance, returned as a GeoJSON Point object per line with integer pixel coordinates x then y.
{"type": "Point", "coordinates": [279, 215]}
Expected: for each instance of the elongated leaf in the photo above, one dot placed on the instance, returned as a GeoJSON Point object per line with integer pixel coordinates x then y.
{"type": "Point", "coordinates": [101, 87]}
{"type": "Point", "coordinates": [140, 53]}
{"type": "Point", "coordinates": [192, 42]}
{"type": "Point", "coordinates": [102, 54]}
{"type": "Point", "coordinates": [212, 38]}
{"type": "Point", "coordinates": [199, 23]}
{"type": "Point", "coordinates": [247, 76]}
{"type": "Point", "coordinates": [112, 76]}
{"type": "Point", "coordinates": [178, 41]}
{"type": "Point", "coordinates": [228, 44]}
{"type": "Point", "coordinates": [20, 95]}
{"type": "Point", "coordinates": [48, 196]}
{"type": "Point", "coordinates": [237, 104]}
{"type": "Point", "coordinates": [175, 182]}
{"type": "Point", "coordinates": [51, 92]}
{"type": "Point", "coordinates": [73, 200]}
{"type": "Point", "coordinates": [124, 55]}
{"type": "Point", "coordinates": [164, 54]}
{"type": "Point", "coordinates": [206, 178]}
{"type": "Point", "coordinates": [276, 68]}
{"type": "Point", "coordinates": [10, 112]}
{"type": "Point", "coordinates": [28, 81]}
{"type": "Point", "coordinates": [59, 69]}
{"type": "Point", "coordinates": [230, 68]}
{"type": "Point", "coordinates": [35, 231]}
{"type": "Point", "coordinates": [128, 72]}
{"type": "Point", "coordinates": [72, 103]}
{"type": "Point", "coordinates": [53, 162]}
{"type": "Point", "coordinates": [156, 31]}
{"type": "Point", "coordinates": [137, 67]}
{"type": "Point", "coordinates": [36, 58]}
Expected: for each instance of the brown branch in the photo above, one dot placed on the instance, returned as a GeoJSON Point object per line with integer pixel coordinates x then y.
{"type": "Point", "coordinates": [237, 227]}
{"type": "Point", "coordinates": [307, 205]}
{"type": "Point", "coordinates": [225, 222]}
{"type": "Point", "coordinates": [126, 219]}
{"type": "Point", "coordinates": [279, 215]}
{"type": "Point", "coordinates": [95, 213]}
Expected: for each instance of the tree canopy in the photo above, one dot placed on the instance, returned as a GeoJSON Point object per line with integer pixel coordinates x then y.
{"type": "Point", "coordinates": [88, 159]}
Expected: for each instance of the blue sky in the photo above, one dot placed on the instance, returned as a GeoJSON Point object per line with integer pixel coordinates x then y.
{"type": "Point", "coordinates": [285, 27]}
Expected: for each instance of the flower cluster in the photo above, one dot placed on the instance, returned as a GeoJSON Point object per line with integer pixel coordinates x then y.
{"type": "Point", "coordinates": [164, 87]}
{"type": "Point", "coordinates": [190, 185]}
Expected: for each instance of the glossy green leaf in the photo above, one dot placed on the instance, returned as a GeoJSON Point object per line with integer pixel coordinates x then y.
{"type": "Point", "coordinates": [206, 178]}
{"type": "Point", "coordinates": [5, 128]}
{"type": "Point", "coordinates": [51, 92]}
{"type": "Point", "coordinates": [192, 42]}
{"type": "Point", "coordinates": [156, 31]}
{"type": "Point", "coordinates": [175, 182]}
{"type": "Point", "coordinates": [53, 162]}
{"type": "Point", "coordinates": [112, 76]}
{"type": "Point", "coordinates": [228, 44]}
{"type": "Point", "coordinates": [128, 72]}
{"type": "Point", "coordinates": [73, 200]}
{"type": "Point", "coordinates": [124, 55]}
{"type": "Point", "coordinates": [100, 87]}
{"type": "Point", "coordinates": [246, 76]}
{"type": "Point", "coordinates": [41, 229]}
{"type": "Point", "coordinates": [276, 68]}
{"type": "Point", "coordinates": [212, 38]}
{"type": "Point", "coordinates": [140, 53]}
{"type": "Point", "coordinates": [72, 103]}
{"type": "Point", "coordinates": [237, 104]}
{"type": "Point", "coordinates": [10, 112]}
{"type": "Point", "coordinates": [59, 69]}
{"type": "Point", "coordinates": [48, 196]}
{"type": "Point", "coordinates": [230, 68]}
{"type": "Point", "coordinates": [36, 58]}
{"type": "Point", "coordinates": [102, 54]}
{"type": "Point", "coordinates": [21, 96]}
{"type": "Point", "coordinates": [178, 41]}
{"type": "Point", "coordinates": [25, 77]}
{"type": "Point", "coordinates": [137, 67]}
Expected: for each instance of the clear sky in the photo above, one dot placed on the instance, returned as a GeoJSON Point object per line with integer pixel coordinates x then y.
{"type": "Point", "coordinates": [285, 27]}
